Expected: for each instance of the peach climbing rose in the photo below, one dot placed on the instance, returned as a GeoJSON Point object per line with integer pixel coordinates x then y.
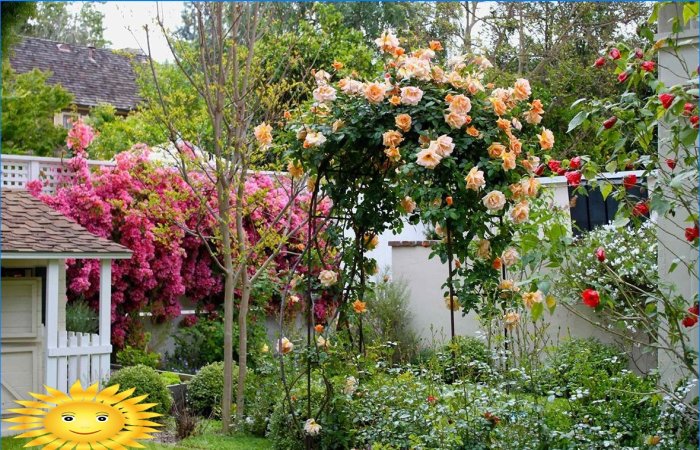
{"type": "Point", "coordinates": [546, 139]}
{"type": "Point", "coordinates": [530, 186]}
{"type": "Point", "coordinates": [324, 94]}
{"type": "Point", "coordinates": [496, 150]}
{"type": "Point", "coordinates": [510, 256]}
{"type": "Point", "coordinates": [534, 115]}
{"type": "Point", "coordinates": [351, 87]}
{"type": "Point", "coordinates": [511, 319]}
{"type": "Point", "coordinates": [472, 131]}
{"type": "Point", "coordinates": [360, 307]}
{"type": "Point", "coordinates": [515, 145]}
{"type": "Point", "coordinates": [403, 122]}
{"type": "Point", "coordinates": [322, 77]}
{"type": "Point", "coordinates": [530, 164]}
{"type": "Point", "coordinates": [443, 145]}
{"type": "Point", "coordinates": [375, 92]}
{"type": "Point", "coordinates": [516, 189]}
{"type": "Point", "coordinates": [520, 212]}
{"type": "Point", "coordinates": [314, 139]}
{"type": "Point", "coordinates": [455, 120]}
{"type": "Point", "coordinates": [284, 346]}
{"type": "Point", "coordinates": [328, 278]}
{"type": "Point", "coordinates": [521, 89]}
{"type": "Point", "coordinates": [499, 107]}
{"type": "Point", "coordinates": [483, 249]}
{"type": "Point", "coordinates": [337, 125]}
{"type": "Point", "coordinates": [494, 200]}
{"type": "Point", "coordinates": [503, 124]}
{"type": "Point", "coordinates": [411, 95]}
{"type": "Point", "coordinates": [530, 298]}
{"type": "Point", "coordinates": [508, 161]}
{"type": "Point", "coordinates": [392, 138]}
{"type": "Point", "coordinates": [454, 305]}
{"type": "Point", "coordinates": [516, 124]}
{"type": "Point", "coordinates": [319, 328]}
{"type": "Point", "coordinates": [263, 134]}
{"type": "Point", "coordinates": [408, 205]}
{"type": "Point", "coordinates": [387, 42]}
{"type": "Point", "coordinates": [460, 104]}
{"type": "Point", "coordinates": [508, 285]}
{"type": "Point", "coordinates": [475, 179]}
{"type": "Point", "coordinates": [393, 153]}
{"type": "Point", "coordinates": [371, 241]}
{"type": "Point", "coordinates": [428, 157]}
{"type": "Point", "coordinates": [295, 169]}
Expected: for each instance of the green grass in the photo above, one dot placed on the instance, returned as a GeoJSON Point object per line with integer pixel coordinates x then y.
{"type": "Point", "coordinates": [208, 440]}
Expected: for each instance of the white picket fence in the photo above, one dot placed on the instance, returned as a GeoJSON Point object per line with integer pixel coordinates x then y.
{"type": "Point", "coordinates": [18, 170]}
{"type": "Point", "coordinates": [78, 356]}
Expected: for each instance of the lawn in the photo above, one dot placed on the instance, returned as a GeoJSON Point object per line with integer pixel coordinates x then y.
{"type": "Point", "coordinates": [208, 440]}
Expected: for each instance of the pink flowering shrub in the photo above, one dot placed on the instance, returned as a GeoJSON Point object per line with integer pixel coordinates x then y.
{"type": "Point", "coordinates": [145, 207]}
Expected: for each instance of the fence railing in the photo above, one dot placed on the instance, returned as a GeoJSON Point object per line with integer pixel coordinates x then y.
{"type": "Point", "coordinates": [18, 170]}
{"type": "Point", "coordinates": [78, 356]}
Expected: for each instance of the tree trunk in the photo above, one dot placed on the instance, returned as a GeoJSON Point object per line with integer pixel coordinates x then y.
{"type": "Point", "coordinates": [242, 344]}
{"type": "Point", "coordinates": [226, 399]}
{"type": "Point", "coordinates": [521, 40]}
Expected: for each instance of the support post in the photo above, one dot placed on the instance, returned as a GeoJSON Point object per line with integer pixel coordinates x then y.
{"type": "Point", "coordinates": [105, 314]}
{"type": "Point", "coordinates": [51, 326]}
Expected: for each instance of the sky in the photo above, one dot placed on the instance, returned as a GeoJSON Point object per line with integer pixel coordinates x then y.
{"type": "Point", "coordinates": [124, 23]}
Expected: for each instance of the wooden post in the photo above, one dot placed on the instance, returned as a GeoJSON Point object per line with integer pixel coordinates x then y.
{"type": "Point", "coordinates": [51, 326]}
{"type": "Point", "coordinates": [105, 314]}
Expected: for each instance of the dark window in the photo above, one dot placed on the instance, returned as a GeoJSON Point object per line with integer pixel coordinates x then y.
{"type": "Point", "coordinates": [588, 212]}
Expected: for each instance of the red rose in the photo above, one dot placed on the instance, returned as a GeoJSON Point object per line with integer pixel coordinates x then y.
{"type": "Point", "coordinates": [692, 233]}
{"type": "Point", "coordinates": [688, 108]}
{"type": "Point", "coordinates": [575, 162]}
{"type": "Point", "coordinates": [629, 181]}
{"type": "Point", "coordinates": [648, 66]}
{"type": "Point", "coordinates": [610, 122]}
{"type": "Point", "coordinates": [694, 309]}
{"type": "Point", "coordinates": [640, 209]}
{"type": "Point", "coordinates": [638, 53]}
{"type": "Point", "coordinates": [622, 77]}
{"type": "Point", "coordinates": [590, 298]}
{"type": "Point", "coordinates": [689, 321]}
{"type": "Point", "coordinates": [600, 62]}
{"type": "Point", "coordinates": [671, 163]}
{"type": "Point", "coordinates": [573, 178]}
{"type": "Point", "coordinates": [539, 170]}
{"type": "Point", "coordinates": [666, 100]}
{"type": "Point", "coordinates": [554, 165]}
{"type": "Point", "coordinates": [694, 121]}
{"type": "Point", "coordinates": [614, 53]}
{"type": "Point", "coordinates": [600, 254]}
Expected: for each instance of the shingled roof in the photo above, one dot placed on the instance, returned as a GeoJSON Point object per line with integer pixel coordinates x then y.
{"type": "Point", "coordinates": [29, 227]}
{"type": "Point", "coordinates": [92, 75]}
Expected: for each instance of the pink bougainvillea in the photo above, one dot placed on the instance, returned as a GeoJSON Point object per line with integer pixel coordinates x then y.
{"type": "Point", "coordinates": [147, 207]}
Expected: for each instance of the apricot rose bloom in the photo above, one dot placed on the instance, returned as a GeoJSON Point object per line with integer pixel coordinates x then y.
{"type": "Point", "coordinates": [499, 107]}
{"type": "Point", "coordinates": [546, 139]}
{"type": "Point", "coordinates": [408, 205]}
{"type": "Point", "coordinates": [508, 285]}
{"type": "Point", "coordinates": [508, 161]}
{"type": "Point", "coordinates": [455, 120]}
{"type": "Point", "coordinates": [284, 346]}
{"type": "Point", "coordinates": [475, 179]}
{"type": "Point", "coordinates": [387, 42]}
{"type": "Point", "coordinates": [263, 134]}
{"type": "Point", "coordinates": [403, 122]}
{"type": "Point", "coordinates": [411, 95]}
{"type": "Point", "coordinates": [351, 87]}
{"type": "Point", "coordinates": [511, 319]}
{"type": "Point", "coordinates": [510, 256]}
{"type": "Point", "coordinates": [324, 94]}
{"type": "Point", "coordinates": [530, 186]}
{"type": "Point", "coordinates": [534, 115]}
{"type": "Point", "coordinates": [483, 249]}
{"type": "Point", "coordinates": [496, 150]}
{"type": "Point", "coordinates": [443, 145]}
{"type": "Point", "coordinates": [521, 89]}
{"type": "Point", "coordinates": [328, 278]}
{"type": "Point", "coordinates": [520, 212]}
{"type": "Point", "coordinates": [473, 132]}
{"type": "Point", "coordinates": [360, 307]}
{"type": "Point", "coordinates": [375, 92]}
{"type": "Point", "coordinates": [295, 169]}
{"type": "Point", "coordinates": [494, 200]}
{"type": "Point", "coordinates": [530, 298]}
{"type": "Point", "coordinates": [392, 138]}
{"type": "Point", "coordinates": [428, 157]}
{"type": "Point", "coordinates": [454, 305]}
{"type": "Point", "coordinates": [314, 139]}
{"type": "Point", "coordinates": [460, 104]}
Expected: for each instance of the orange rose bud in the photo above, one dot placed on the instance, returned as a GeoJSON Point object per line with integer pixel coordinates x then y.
{"type": "Point", "coordinates": [319, 328]}
{"type": "Point", "coordinates": [337, 65]}
{"type": "Point", "coordinates": [287, 115]}
{"type": "Point", "coordinates": [359, 306]}
{"type": "Point", "coordinates": [398, 51]}
{"type": "Point", "coordinates": [395, 100]}
{"type": "Point", "coordinates": [448, 200]}
{"type": "Point", "coordinates": [458, 264]}
{"type": "Point", "coordinates": [435, 46]}
{"type": "Point", "coordinates": [448, 98]}
{"type": "Point", "coordinates": [497, 263]}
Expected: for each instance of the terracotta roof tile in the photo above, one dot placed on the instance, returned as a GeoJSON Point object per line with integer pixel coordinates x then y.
{"type": "Point", "coordinates": [31, 226]}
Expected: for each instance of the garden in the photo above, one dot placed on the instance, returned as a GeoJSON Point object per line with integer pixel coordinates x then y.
{"type": "Point", "coordinates": [278, 178]}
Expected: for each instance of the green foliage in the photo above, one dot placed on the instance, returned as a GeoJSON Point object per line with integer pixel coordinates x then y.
{"type": "Point", "coordinates": [54, 21]}
{"type": "Point", "coordinates": [170, 378]}
{"type": "Point", "coordinates": [146, 381]}
{"type": "Point", "coordinates": [28, 108]}
{"type": "Point", "coordinates": [467, 357]}
{"type": "Point", "coordinates": [81, 318]}
{"type": "Point", "coordinates": [205, 389]}
{"type": "Point", "coordinates": [14, 15]}
{"type": "Point", "coordinates": [118, 133]}
{"type": "Point", "coordinates": [131, 356]}
{"type": "Point", "coordinates": [263, 391]}
{"type": "Point", "coordinates": [389, 319]}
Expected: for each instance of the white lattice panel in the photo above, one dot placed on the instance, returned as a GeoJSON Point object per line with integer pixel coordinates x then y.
{"type": "Point", "coordinates": [15, 174]}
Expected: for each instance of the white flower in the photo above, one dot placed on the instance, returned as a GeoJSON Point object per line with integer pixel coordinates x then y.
{"type": "Point", "coordinates": [314, 139]}
{"type": "Point", "coordinates": [312, 428]}
{"type": "Point", "coordinates": [328, 278]}
{"type": "Point", "coordinates": [324, 93]}
{"type": "Point", "coordinates": [350, 385]}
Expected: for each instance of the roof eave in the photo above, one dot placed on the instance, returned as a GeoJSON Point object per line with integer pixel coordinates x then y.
{"type": "Point", "coordinates": [9, 255]}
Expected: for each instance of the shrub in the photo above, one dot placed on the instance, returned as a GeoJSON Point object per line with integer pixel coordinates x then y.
{"type": "Point", "coordinates": [131, 356]}
{"type": "Point", "coordinates": [466, 357]}
{"type": "Point", "coordinates": [81, 318]}
{"type": "Point", "coordinates": [263, 390]}
{"type": "Point", "coordinates": [146, 381]}
{"type": "Point", "coordinates": [206, 387]}
{"type": "Point", "coordinates": [170, 378]}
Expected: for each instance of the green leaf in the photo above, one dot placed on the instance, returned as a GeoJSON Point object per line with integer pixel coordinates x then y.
{"type": "Point", "coordinates": [690, 11]}
{"type": "Point", "coordinates": [577, 120]}
{"type": "Point", "coordinates": [537, 310]}
{"type": "Point", "coordinates": [611, 166]}
{"type": "Point", "coordinates": [605, 189]}
{"type": "Point", "coordinates": [621, 221]}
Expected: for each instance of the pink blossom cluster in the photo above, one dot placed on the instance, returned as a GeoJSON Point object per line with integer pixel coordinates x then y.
{"type": "Point", "coordinates": [80, 136]}
{"type": "Point", "coordinates": [146, 207]}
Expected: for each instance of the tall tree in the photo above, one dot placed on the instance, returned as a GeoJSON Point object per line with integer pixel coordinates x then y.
{"type": "Point", "coordinates": [54, 21]}
{"type": "Point", "coordinates": [14, 16]}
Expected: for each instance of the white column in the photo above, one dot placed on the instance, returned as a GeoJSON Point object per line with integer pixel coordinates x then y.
{"type": "Point", "coordinates": [105, 314]}
{"type": "Point", "coordinates": [51, 325]}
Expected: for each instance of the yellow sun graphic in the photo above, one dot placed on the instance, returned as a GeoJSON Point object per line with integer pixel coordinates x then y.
{"type": "Point", "coordinates": [86, 419]}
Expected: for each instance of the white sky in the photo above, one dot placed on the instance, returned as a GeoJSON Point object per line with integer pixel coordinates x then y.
{"type": "Point", "coordinates": [124, 23]}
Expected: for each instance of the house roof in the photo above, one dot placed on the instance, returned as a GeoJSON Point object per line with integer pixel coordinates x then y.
{"type": "Point", "coordinates": [92, 75]}
{"type": "Point", "coordinates": [31, 228]}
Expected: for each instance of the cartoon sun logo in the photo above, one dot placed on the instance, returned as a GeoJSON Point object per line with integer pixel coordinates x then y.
{"type": "Point", "coordinates": [86, 419]}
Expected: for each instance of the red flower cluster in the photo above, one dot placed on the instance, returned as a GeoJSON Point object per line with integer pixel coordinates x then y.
{"type": "Point", "coordinates": [629, 181]}
{"type": "Point", "coordinates": [692, 233]}
{"type": "Point", "coordinates": [591, 298]}
{"type": "Point", "coordinates": [640, 209]}
{"type": "Point", "coordinates": [666, 100]}
{"type": "Point", "coordinates": [573, 178]}
{"type": "Point", "coordinates": [692, 317]}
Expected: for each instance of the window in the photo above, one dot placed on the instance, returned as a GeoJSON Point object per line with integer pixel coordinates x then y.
{"type": "Point", "coordinates": [588, 212]}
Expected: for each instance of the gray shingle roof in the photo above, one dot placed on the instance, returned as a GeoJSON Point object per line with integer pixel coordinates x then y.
{"type": "Point", "coordinates": [31, 226]}
{"type": "Point", "coordinates": [93, 76]}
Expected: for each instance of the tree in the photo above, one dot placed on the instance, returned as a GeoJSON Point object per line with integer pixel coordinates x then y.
{"type": "Point", "coordinates": [14, 15]}
{"type": "Point", "coordinates": [53, 21]}
{"type": "Point", "coordinates": [28, 108]}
